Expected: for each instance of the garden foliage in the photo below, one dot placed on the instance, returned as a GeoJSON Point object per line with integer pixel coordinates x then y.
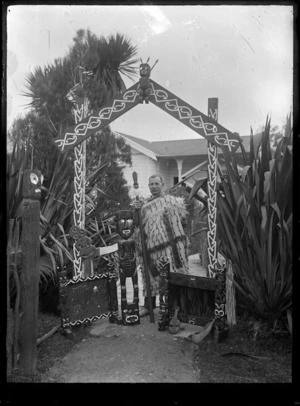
{"type": "Point", "coordinates": [254, 224]}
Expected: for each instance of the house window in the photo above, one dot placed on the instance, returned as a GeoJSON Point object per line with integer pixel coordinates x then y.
{"type": "Point", "coordinates": [175, 179]}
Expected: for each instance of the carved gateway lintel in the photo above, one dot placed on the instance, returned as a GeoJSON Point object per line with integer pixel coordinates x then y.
{"type": "Point", "coordinates": [162, 98]}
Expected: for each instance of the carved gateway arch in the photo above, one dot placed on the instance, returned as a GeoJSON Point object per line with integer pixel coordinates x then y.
{"type": "Point", "coordinates": [146, 90]}
{"type": "Point", "coordinates": [200, 123]}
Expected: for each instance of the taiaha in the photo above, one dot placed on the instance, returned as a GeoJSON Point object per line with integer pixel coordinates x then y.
{"type": "Point", "coordinates": [136, 186]}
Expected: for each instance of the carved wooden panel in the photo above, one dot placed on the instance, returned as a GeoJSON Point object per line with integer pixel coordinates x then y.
{"type": "Point", "coordinates": [86, 300]}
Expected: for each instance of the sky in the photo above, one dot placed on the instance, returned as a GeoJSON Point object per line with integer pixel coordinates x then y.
{"type": "Point", "coordinates": [243, 55]}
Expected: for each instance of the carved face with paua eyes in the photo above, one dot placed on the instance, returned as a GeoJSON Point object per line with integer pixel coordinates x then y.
{"type": "Point", "coordinates": [145, 70]}
{"type": "Point", "coordinates": [32, 182]}
{"type": "Point", "coordinates": [125, 223]}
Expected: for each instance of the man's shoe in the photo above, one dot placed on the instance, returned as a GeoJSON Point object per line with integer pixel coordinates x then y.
{"type": "Point", "coordinates": [143, 311]}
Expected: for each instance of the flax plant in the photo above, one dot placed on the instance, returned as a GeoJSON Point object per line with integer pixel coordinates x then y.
{"type": "Point", "coordinates": [56, 204]}
{"type": "Point", "coordinates": [255, 224]}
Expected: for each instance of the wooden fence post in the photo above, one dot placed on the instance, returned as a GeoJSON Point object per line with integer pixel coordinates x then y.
{"type": "Point", "coordinates": [30, 271]}
{"type": "Point", "coordinates": [9, 314]}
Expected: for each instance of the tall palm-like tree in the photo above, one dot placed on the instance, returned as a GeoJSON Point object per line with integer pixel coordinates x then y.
{"type": "Point", "coordinates": [101, 62]}
{"type": "Point", "coordinates": [95, 63]}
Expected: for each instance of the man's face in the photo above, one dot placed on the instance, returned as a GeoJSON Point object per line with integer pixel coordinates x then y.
{"type": "Point", "coordinates": [155, 186]}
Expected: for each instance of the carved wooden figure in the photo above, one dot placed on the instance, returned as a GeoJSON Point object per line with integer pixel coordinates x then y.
{"type": "Point", "coordinates": [144, 89]}
{"type": "Point", "coordinates": [32, 182]}
{"type": "Point", "coordinates": [128, 267]}
{"type": "Point", "coordinates": [164, 275]}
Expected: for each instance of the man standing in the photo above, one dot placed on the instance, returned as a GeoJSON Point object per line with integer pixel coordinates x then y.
{"type": "Point", "coordinates": [163, 217]}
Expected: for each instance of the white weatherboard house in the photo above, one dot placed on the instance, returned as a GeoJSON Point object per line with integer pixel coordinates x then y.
{"type": "Point", "coordinates": [173, 160]}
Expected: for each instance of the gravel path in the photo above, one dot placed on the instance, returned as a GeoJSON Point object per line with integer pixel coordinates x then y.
{"type": "Point", "coordinates": [117, 353]}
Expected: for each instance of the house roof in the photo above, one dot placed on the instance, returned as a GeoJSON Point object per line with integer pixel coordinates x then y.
{"type": "Point", "coordinates": [172, 148]}
{"type": "Point", "coordinates": [139, 144]}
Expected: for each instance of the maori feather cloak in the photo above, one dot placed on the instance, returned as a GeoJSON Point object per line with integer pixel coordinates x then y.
{"type": "Point", "coordinates": [164, 233]}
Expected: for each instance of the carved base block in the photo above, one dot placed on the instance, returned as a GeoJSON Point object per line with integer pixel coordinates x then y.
{"type": "Point", "coordinates": [130, 314]}
{"type": "Point", "coordinates": [86, 300]}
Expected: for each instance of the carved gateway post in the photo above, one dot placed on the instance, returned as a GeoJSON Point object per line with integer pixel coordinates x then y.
{"type": "Point", "coordinates": [216, 270]}
{"type": "Point", "coordinates": [80, 111]}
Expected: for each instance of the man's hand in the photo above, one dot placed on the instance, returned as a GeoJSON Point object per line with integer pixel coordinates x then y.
{"type": "Point", "coordinates": [137, 204]}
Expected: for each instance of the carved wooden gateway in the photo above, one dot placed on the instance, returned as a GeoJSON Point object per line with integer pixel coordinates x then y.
{"type": "Point", "coordinates": [146, 90]}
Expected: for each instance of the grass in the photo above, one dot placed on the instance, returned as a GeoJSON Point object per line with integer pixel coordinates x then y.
{"type": "Point", "coordinates": [273, 365]}
{"type": "Point", "coordinates": [53, 349]}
